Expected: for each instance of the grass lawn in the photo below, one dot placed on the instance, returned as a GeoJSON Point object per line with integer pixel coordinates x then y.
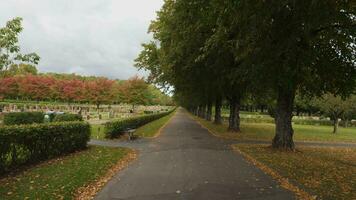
{"type": "Point", "coordinates": [60, 178]}
{"type": "Point", "coordinates": [152, 128]}
{"type": "Point", "coordinates": [265, 131]}
{"type": "Point", "coordinates": [328, 173]}
{"type": "Point", "coordinates": [97, 131]}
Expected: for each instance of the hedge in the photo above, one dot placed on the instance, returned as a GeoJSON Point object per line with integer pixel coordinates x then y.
{"type": "Point", "coordinates": [18, 118]}
{"type": "Point", "coordinates": [21, 144]}
{"type": "Point", "coordinates": [116, 128]}
{"type": "Point", "coordinates": [67, 117]}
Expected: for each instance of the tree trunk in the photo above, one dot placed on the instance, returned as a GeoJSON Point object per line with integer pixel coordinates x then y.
{"type": "Point", "coordinates": [133, 108]}
{"type": "Point", "coordinates": [203, 111]}
{"type": "Point", "coordinates": [262, 109]}
{"type": "Point", "coordinates": [200, 111]}
{"type": "Point", "coordinates": [209, 111]}
{"type": "Point", "coordinates": [284, 111]}
{"type": "Point", "coordinates": [346, 123]}
{"type": "Point", "coordinates": [217, 118]}
{"type": "Point", "coordinates": [336, 124]}
{"type": "Point", "coordinates": [234, 118]}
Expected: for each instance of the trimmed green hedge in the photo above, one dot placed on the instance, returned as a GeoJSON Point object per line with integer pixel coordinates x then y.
{"type": "Point", "coordinates": [67, 117]}
{"type": "Point", "coordinates": [18, 118]}
{"type": "Point", "coordinates": [116, 128]}
{"type": "Point", "coordinates": [21, 144]}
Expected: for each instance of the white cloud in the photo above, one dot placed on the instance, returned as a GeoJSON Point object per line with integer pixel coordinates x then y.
{"type": "Point", "coordinates": [89, 37]}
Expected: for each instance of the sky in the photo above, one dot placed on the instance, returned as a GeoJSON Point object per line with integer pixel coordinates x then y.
{"type": "Point", "coordinates": [87, 37]}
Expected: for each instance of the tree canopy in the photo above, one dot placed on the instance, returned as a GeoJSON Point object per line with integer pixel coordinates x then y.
{"type": "Point", "coordinates": [237, 50]}
{"type": "Point", "coordinates": [10, 50]}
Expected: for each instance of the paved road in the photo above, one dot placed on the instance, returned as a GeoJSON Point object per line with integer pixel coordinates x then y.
{"type": "Point", "coordinates": [187, 163]}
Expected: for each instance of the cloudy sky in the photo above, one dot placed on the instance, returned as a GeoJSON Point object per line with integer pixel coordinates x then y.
{"type": "Point", "coordinates": [88, 37]}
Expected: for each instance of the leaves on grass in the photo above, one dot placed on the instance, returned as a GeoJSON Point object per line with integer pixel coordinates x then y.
{"type": "Point", "coordinates": [88, 191]}
{"type": "Point", "coordinates": [59, 178]}
{"type": "Point", "coordinates": [329, 173]}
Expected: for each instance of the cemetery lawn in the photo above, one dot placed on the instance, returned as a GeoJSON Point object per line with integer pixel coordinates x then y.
{"type": "Point", "coordinates": [97, 131]}
{"type": "Point", "coordinates": [152, 129]}
{"type": "Point", "coordinates": [60, 178]}
{"type": "Point", "coordinates": [265, 131]}
{"type": "Point", "coordinates": [328, 173]}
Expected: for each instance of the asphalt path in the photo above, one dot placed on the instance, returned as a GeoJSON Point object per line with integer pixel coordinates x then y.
{"type": "Point", "coordinates": [187, 163]}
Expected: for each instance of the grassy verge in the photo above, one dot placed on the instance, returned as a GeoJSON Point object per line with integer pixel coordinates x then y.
{"type": "Point", "coordinates": [265, 131]}
{"type": "Point", "coordinates": [61, 178]}
{"type": "Point", "coordinates": [328, 173]}
{"type": "Point", "coordinates": [97, 131]}
{"type": "Point", "coordinates": [152, 129]}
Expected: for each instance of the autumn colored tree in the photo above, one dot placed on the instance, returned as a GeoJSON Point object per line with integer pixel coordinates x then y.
{"type": "Point", "coordinates": [74, 88]}
{"type": "Point", "coordinates": [100, 91]}
{"type": "Point", "coordinates": [9, 88]}
{"type": "Point", "coordinates": [71, 90]}
{"type": "Point", "coordinates": [136, 91]}
{"type": "Point", "coordinates": [35, 87]}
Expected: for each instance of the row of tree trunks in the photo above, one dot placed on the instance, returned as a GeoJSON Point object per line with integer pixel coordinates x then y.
{"type": "Point", "coordinates": [218, 105]}
{"type": "Point", "coordinates": [234, 118]}
{"type": "Point", "coordinates": [201, 111]}
{"type": "Point", "coordinates": [209, 111]}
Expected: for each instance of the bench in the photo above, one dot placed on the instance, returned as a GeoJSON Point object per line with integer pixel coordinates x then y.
{"type": "Point", "coordinates": [130, 132]}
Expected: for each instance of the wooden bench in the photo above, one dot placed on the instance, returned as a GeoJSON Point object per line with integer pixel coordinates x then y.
{"type": "Point", "coordinates": [130, 132]}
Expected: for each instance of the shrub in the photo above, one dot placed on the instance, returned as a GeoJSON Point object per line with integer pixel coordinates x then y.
{"type": "Point", "coordinates": [116, 128]}
{"type": "Point", "coordinates": [22, 144]}
{"type": "Point", "coordinates": [67, 117]}
{"type": "Point", "coordinates": [23, 118]}
{"type": "Point", "coordinates": [148, 112]}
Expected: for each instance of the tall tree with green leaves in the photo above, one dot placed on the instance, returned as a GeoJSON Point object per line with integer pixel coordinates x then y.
{"type": "Point", "coordinates": [295, 45]}
{"type": "Point", "coordinates": [337, 108]}
{"type": "Point", "coordinates": [9, 48]}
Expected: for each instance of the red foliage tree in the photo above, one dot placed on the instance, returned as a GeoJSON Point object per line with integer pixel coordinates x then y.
{"type": "Point", "coordinates": [100, 91]}
{"type": "Point", "coordinates": [72, 90]}
{"type": "Point", "coordinates": [9, 88]}
{"type": "Point", "coordinates": [35, 87]}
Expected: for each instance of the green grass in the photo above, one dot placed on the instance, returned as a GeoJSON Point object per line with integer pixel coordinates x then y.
{"type": "Point", "coordinates": [265, 131]}
{"type": "Point", "coordinates": [328, 173]}
{"type": "Point", "coordinates": [59, 179]}
{"type": "Point", "coordinates": [152, 128]}
{"type": "Point", "coordinates": [97, 131]}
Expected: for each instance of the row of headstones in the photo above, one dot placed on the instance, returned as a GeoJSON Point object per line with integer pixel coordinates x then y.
{"type": "Point", "coordinates": [69, 108]}
{"type": "Point", "coordinates": [74, 109]}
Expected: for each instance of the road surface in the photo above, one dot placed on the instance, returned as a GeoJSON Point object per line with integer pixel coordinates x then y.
{"type": "Point", "coordinates": [187, 163]}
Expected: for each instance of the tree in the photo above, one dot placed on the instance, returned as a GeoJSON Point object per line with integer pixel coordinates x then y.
{"type": "Point", "coordinates": [296, 45]}
{"type": "Point", "coordinates": [136, 91]}
{"type": "Point", "coordinates": [9, 88]}
{"type": "Point", "coordinates": [100, 91]}
{"type": "Point", "coordinates": [335, 107]}
{"type": "Point", "coordinates": [9, 48]}
{"type": "Point", "coordinates": [208, 49]}
{"type": "Point", "coordinates": [21, 69]}
{"type": "Point", "coordinates": [35, 87]}
{"type": "Point", "coordinates": [71, 90]}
